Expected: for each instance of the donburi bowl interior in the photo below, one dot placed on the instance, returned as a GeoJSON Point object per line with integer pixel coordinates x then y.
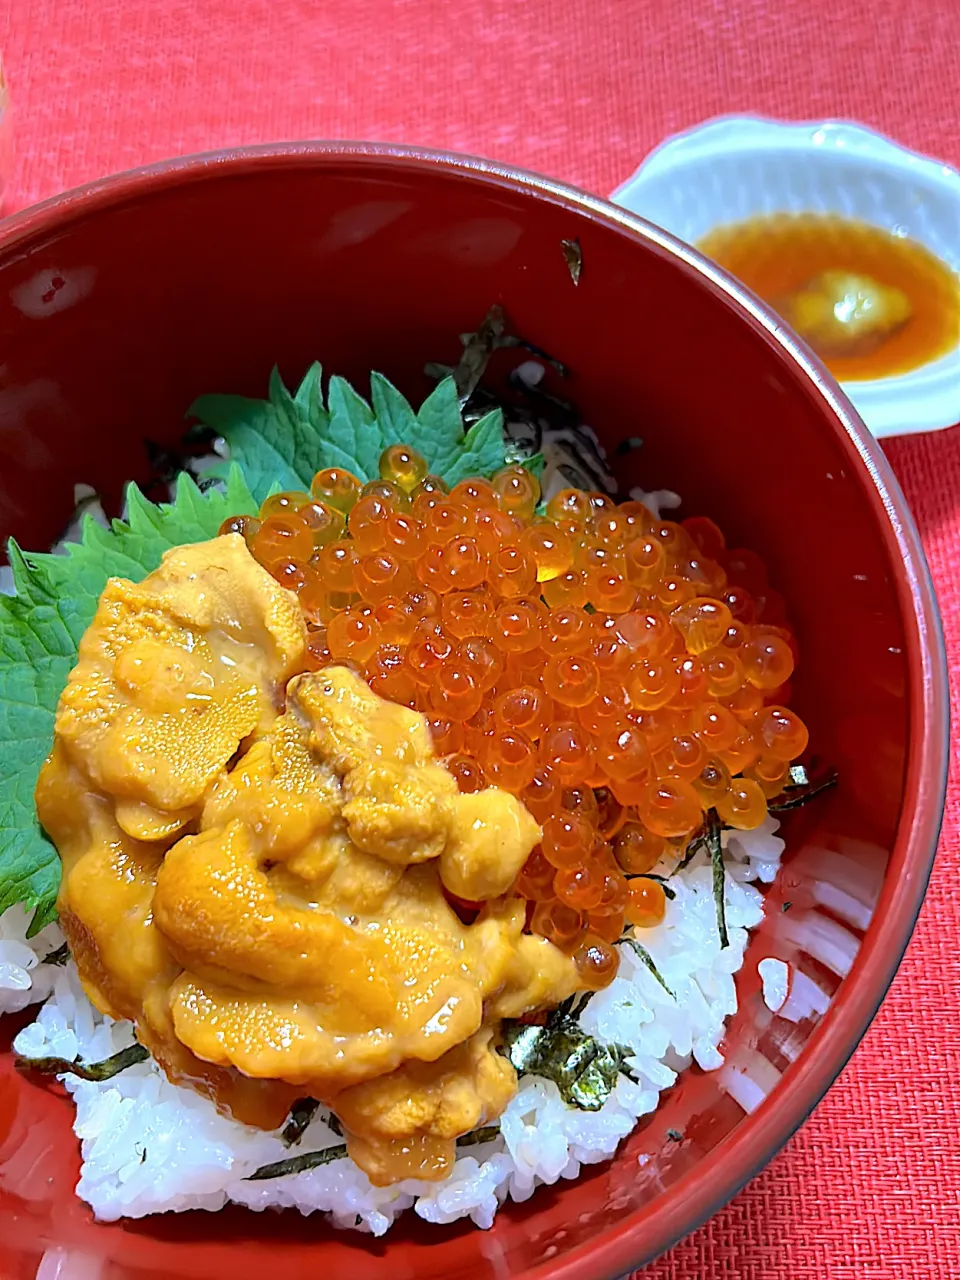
{"type": "Point", "coordinates": [122, 302]}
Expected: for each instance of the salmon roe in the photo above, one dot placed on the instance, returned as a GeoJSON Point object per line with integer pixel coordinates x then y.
{"type": "Point", "coordinates": [621, 675]}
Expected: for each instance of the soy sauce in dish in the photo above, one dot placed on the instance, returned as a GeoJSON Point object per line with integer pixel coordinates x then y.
{"type": "Point", "coordinates": [872, 303]}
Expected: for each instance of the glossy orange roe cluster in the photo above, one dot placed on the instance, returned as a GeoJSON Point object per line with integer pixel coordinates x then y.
{"type": "Point", "coordinates": [619, 673]}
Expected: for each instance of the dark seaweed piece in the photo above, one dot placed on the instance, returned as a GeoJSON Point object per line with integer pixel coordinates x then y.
{"type": "Point", "coordinates": [583, 1069]}
{"type": "Point", "coordinates": [165, 463]}
{"type": "Point", "coordinates": [301, 1113]}
{"type": "Point", "coordinates": [709, 838]}
{"type": "Point", "coordinates": [719, 880]}
{"type": "Point", "coordinates": [647, 959]}
{"type": "Point", "coordinates": [573, 257]}
{"type": "Point", "coordinates": [315, 1159]}
{"type": "Point", "coordinates": [298, 1164]}
{"type": "Point", "coordinates": [699, 841]}
{"type": "Point", "coordinates": [564, 1009]}
{"type": "Point", "coordinates": [512, 340]}
{"type": "Point", "coordinates": [85, 1070]}
{"type": "Point", "coordinates": [596, 1081]}
{"type": "Point", "coordinates": [785, 907]}
{"type": "Point", "coordinates": [572, 1007]}
{"type": "Point", "coordinates": [567, 414]}
{"type": "Point", "coordinates": [522, 433]}
{"type": "Point", "coordinates": [542, 430]}
{"type": "Point", "coordinates": [485, 1134]}
{"type": "Point", "coordinates": [482, 399]}
{"type": "Point", "coordinates": [674, 1135]}
{"type": "Point", "coordinates": [479, 347]}
{"type": "Point", "coordinates": [58, 957]}
{"type": "Point", "coordinates": [797, 795]}
{"type": "Point", "coordinates": [199, 436]}
{"type": "Point", "coordinates": [580, 1002]}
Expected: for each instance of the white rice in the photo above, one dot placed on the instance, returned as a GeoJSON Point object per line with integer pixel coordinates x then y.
{"type": "Point", "coordinates": [150, 1147]}
{"type": "Point", "coordinates": [775, 977]}
{"type": "Point", "coordinates": [657, 501]}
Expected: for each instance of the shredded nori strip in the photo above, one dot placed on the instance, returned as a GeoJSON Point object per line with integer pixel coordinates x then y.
{"type": "Point", "coordinates": [58, 957]}
{"type": "Point", "coordinates": [315, 1159]}
{"type": "Point", "coordinates": [298, 1164]}
{"type": "Point", "coordinates": [301, 1113]}
{"type": "Point", "coordinates": [85, 1070]}
{"type": "Point", "coordinates": [572, 1007]}
{"type": "Point", "coordinates": [567, 413]}
{"type": "Point", "coordinates": [709, 839]}
{"type": "Point", "coordinates": [477, 350]}
{"type": "Point", "coordinates": [479, 347]}
{"type": "Point", "coordinates": [573, 257]}
{"type": "Point", "coordinates": [485, 1134]}
{"type": "Point", "coordinates": [541, 430]}
{"type": "Point", "coordinates": [719, 877]}
{"type": "Point", "coordinates": [674, 1135]}
{"type": "Point", "coordinates": [647, 959]}
{"type": "Point", "coordinates": [797, 795]}
{"type": "Point", "coordinates": [579, 1003]}
{"type": "Point", "coordinates": [523, 344]}
{"type": "Point", "coordinates": [699, 841]}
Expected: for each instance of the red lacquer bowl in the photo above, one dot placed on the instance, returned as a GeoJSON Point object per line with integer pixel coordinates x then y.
{"type": "Point", "coordinates": [121, 302]}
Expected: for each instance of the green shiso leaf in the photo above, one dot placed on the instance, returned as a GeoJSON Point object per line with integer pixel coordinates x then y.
{"type": "Point", "coordinates": [283, 441]}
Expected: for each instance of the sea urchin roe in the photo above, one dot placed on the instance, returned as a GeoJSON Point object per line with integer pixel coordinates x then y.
{"type": "Point", "coordinates": [592, 651]}
{"type": "Point", "coordinates": [299, 938]}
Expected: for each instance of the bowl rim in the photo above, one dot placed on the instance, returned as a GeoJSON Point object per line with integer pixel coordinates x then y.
{"type": "Point", "coordinates": [760, 1135]}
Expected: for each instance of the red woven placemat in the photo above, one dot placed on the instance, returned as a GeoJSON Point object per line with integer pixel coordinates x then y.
{"type": "Point", "coordinates": [581, 89]}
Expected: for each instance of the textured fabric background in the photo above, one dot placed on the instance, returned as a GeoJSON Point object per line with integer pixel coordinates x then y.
{"type": "Point", "coordinates": [581, 89]}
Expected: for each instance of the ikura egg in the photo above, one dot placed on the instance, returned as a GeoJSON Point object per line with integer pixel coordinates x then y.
{"type": "Point", "coordinates": [602, 665]}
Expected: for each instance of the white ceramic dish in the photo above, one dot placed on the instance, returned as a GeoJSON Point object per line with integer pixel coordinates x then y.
{"type": "Point", "coordinates": [736, 167]}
